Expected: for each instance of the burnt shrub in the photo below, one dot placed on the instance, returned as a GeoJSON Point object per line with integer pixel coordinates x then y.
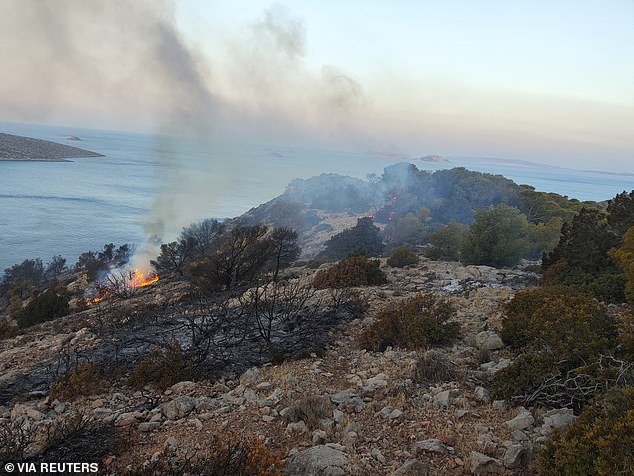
{"type": "Point", "coordinates": [50, 304]}
{"type": "Point", "coordinates": [86, 378]}
{"type": "Point", "coordinates": [161, 368]}
{"type": "Point", "coordinates": [419, 322]}
{"type": "Point", "coordinates": [599, 442]}
{"type": "Point", "coordinates": [350, 272]}
{"type": "Point", "coordinates": [401, 257]}
{"type": "Point", "coordinates": [223, 454]}
{"type": "Point", "coordinates": [434, 366]}
{"type": "Point", "coordinates": [7, 329]}
{"type": "Point", "coordinates": [311, 410]}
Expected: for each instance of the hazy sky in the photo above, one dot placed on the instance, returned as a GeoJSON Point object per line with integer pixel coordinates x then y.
{"type": "Point", "coordinates": [549, 81]}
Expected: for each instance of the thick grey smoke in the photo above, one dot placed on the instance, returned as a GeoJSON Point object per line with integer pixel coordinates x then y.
{"type": "Point", "coordinates": [123, 62]}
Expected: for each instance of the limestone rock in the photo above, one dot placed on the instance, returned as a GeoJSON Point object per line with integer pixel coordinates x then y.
{"type": "Point", "coordinates": [432, 445]}
{"type": "Point", "coordinates": [483, 464]}
{"type": "Point", "coordinates": [318, 460]}
{"type": "Point", "coordinates": [515, 455]}
{"type": "Point", "coordinates": [488, 340]}
{"type": "Point", "coordinates": [178, 408]}
{"type": "Point", "coordinates": [413, 467]}
{"type": "Point", "coordinates": [522, 421]}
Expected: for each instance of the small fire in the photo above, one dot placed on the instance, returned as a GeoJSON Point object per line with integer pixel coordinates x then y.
{"type": "Point", "coordinates": [136, 279]}
{"type": "Point", "coordinates": [139, 280]}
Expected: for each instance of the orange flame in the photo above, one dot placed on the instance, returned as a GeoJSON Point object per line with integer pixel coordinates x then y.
{"type": "Point", "coordinates": [139, 280]}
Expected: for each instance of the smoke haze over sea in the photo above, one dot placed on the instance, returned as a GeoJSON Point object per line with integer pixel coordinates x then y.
{"type": "Point", "coordinates": [68, 208]}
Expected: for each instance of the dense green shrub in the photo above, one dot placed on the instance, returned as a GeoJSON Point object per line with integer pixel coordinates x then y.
{"type": "Point", "coordinates": [350, 272]}
{"type": "Point", "coordinates": [499, 237]}
{"type": "Point", "coordinates": [524, 375]}
{"type": "Point", "coordinates": [362, 238]}
{"type": "Point", "coordinates": [401, 257]}
{"type": "Point", "coordinates": [161, 368]}
{"type": "Point", "coordinates": [419, 322]}
{"type": "Point", "coordinates": [599, 442]}
{"type": "Point", "coordinates": [566, 322]}
{"type": "Point", "coordinates": [43, 307]}
{"type": "Point", "coordinates": [447, 242]}
{"type": "Point", "coordinates": [567, 337]}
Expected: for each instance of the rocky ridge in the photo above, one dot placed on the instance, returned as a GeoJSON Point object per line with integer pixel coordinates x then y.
{"type": "Point", "coordinates": [346, 411]}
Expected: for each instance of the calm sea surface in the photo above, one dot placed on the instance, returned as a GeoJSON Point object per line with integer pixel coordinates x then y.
{"type": "Point", "coordinates": [66, 208]}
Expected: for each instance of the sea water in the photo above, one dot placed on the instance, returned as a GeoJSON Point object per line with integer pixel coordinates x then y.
{"type": "Point", "coordinates": [66, 208]}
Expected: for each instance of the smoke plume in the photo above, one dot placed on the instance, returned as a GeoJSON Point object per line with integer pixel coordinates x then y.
{"type": "Point", "coordinates": [123, 63]}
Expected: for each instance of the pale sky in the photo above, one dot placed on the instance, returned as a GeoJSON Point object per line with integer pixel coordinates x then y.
{"type": "Point", "coordinates": [548, 81]}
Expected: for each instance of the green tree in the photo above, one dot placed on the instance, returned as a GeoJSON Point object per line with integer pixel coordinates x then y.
{"type": "Point", "coordinates": [621, 212]}
{"type": "Point", "coordinates": [204, 233]}
{"type": "Point", "coordinates": [447, 242]}
{"type": "Point", "coordinates": [22, 278]}
{"type": "Point", "coordinates": [581, 257]}
{"type": "Point", "coordinates": [498, 237]}
{"type": "Point", "coordinates": [624, 256]}
{"type": "Point", "coordinates": [43, 307]}
{"type": "Point", "coordinates": [363, 237]}
{"type": "Point", "coordinates": [175, 256]}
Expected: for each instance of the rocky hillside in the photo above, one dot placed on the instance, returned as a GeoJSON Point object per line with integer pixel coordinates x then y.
{"type": "Point", "coordinates": [336, 410]}
{"type": "Point", "coordinates": [14, 147]}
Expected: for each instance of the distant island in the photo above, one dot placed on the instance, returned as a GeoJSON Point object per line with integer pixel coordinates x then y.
{"type": "Point", "coordinates": [14, 147]}
{"type": "Point", "coordinates": [433, 158]}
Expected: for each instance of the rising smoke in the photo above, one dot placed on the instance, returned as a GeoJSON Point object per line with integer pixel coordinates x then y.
{"type": "Point", "coordinates": [121, 62]}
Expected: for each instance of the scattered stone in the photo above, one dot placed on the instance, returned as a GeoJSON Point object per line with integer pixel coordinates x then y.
{"type": "Point", "coordinates": [501, 405]}
{"type": "Point", "coordinates": [377, 455]}
{"type": "Point", "coordinates": [197, 424]}
{"type": "Point", "coordinates": [128, 418]}
{"type": "Point", "coordinates": [432, 445]}
{"type": "Point", "coordinates": [178, 408]}
{"type": "Point", "coordinates": [482, 464]}
{"type": "Point", "coordinates": [413, 467]}
{"type": "Point", "coordinates": [482, 394]}
{"type": "Point", "coordinates": [319, 437]}
{"type": "Point", "coordinates": [522, 421]}
{"type": "Point", "coordinates": [557, 418]}
{"type": "Point", "coordinates": [148, 426]}
{"type": "Point", "coordinates": [297, 427]}
{"type": "Point", "coordinates": [250, 376]}
{"type": "Point", "coordinates": [97, 403]}
{"type": "Point", "coordinates": [318, 460]}
{"type": "Point", "coordinates": [171, 445]}
{"type": "Point", "coordinates": [183, 387]}
{"type": "Point", "coordinates": [516, 455]}
{"type": "Point", "coordinates": [488, 340]}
